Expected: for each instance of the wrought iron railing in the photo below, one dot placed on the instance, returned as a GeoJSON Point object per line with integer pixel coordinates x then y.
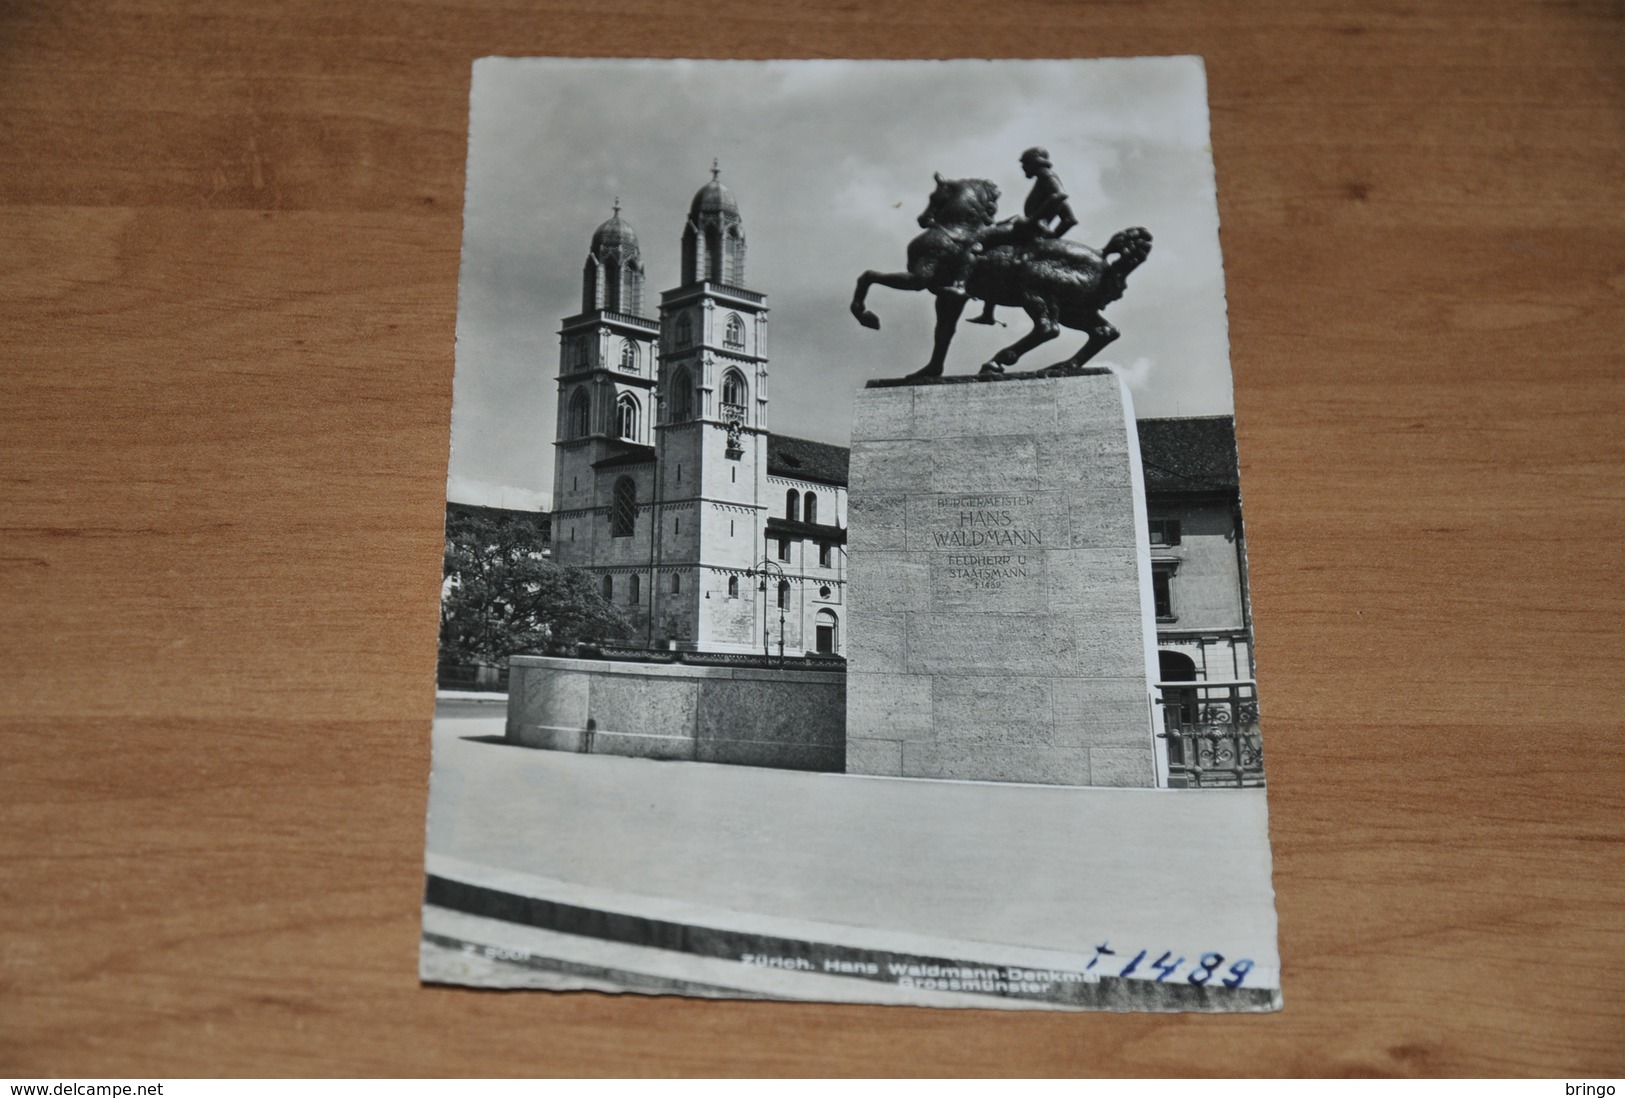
{"type": "Point", "coordinates": [1212, 734]}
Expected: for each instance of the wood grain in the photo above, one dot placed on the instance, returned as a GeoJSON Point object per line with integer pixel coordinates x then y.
{"type": "Point", "coordinates": [227, 296]}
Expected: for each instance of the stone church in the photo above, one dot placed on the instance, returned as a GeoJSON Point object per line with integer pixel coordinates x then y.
{"type": "Point", "coordinates": [713, 533]}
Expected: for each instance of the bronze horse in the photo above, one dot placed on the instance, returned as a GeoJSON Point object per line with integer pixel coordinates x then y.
{"type": "Point", "coordinates": [1057, 282]}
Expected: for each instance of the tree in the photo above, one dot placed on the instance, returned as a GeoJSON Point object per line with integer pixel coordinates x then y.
{"type": "Point", "coordinates": [501, 596]}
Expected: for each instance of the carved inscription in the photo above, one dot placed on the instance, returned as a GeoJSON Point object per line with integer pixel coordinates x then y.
{"type": "Point", "coordinates": [987, 571]}
{"type": "Point", "coordinates": [991, 543]}
{"type": "Point", "coordinates": [994, 522]}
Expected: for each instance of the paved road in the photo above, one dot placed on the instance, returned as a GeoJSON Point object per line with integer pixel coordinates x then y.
{"type": "Point", "coordinates": [1046, 867]}
{"type": "Point", "coordinates": [466, 708]}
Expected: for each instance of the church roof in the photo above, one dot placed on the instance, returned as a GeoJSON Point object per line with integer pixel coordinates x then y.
{"type": "Point", "coordinates": [615, 234]}
{"type": "Point", "coordinates": [1193, 454]}
{"type": "Point", "coordinates": [714, 197]}
{"type": "Point", "coordinates": [804, 459]}
{"type": "Point", "coordinates": [461, 516]}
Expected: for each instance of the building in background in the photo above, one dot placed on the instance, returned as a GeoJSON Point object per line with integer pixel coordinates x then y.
{"type": "Point", "coordinates": [711, 532]}
{"type": "Point", "coordinates": [1198, 554]}
{"type": "Point", "coordinates": [1204, 622]}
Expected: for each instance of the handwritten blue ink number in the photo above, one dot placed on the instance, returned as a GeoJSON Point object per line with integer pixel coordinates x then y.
{"type": "Point", "coordinates": [1202, 975]}
{"type": "Point", "coordinates": [1161, 965]}
{"type": "Point", "coordinates": [1209, 965]}
{"type": "Point", "coordinates": [1238, 973]}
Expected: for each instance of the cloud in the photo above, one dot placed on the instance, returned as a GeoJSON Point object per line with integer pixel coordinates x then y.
{"type": "Point", "coordinates": [831, 163]}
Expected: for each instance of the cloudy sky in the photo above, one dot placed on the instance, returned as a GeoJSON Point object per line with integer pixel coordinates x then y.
{"type": "Point", "coordinates": [831, 162]}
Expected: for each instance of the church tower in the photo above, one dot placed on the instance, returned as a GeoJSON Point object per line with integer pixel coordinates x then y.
{"type": "Point", "coordinates": [603, 478]}
{"type": "Point", "coordinates": [711, 437]}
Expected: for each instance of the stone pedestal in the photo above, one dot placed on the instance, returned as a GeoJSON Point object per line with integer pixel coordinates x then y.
{"type": "Point", "coordinates": [1002, 625]}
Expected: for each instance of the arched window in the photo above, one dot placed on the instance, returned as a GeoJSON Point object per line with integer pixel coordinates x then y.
{"type": "Point", "coordinates": [676, 583]}
{"type": "Point", "coordinates": [626, 416]}
{"type": "Point", "coordinates": [589, 288]}
{"type": "Point", "coordinates": [784, 594]}
{"type": "Point", "coordinates": [632, 589]}
{"type": "Point", "coordinates": [733, 587]}
{"type": "Point", "coordinates": [809, 508]}
{"type": "Point", "coordinates": [580, 414]}
{"type": "Point", "coordinates": [736, 257]}
{"type": "Point", "coordinates": [713, 256]}
{"type": "Point", "coordinates": [623, 511]}
{"type": "Point", "coordinates": [733, 388]}
{"type": "Point", "coordinates": [685, 331]}
{"type": "Point", "coordinates": [632, 301]}
{"type": "Point", "coordinates": [733, 334]}
{"type": "Point", "coordinates": [609, 588]}
{"type": "Point", "coordinates": [827, 626]}
{"type": "Point", "coordinates": [1176, 667]}
{"type": "Point", "coordinates": [1179, 703]}
{"type": "Point", "coordinates": [612, 286]}
{"type": "Point", "coordinates": [629, 357]}
{"type": "Point", "coordinates": [792, 505]}
{"type": "Point", "coordinates": [682, 395]}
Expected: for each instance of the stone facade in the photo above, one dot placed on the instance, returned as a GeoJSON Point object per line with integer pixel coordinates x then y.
{"type": "Point", "coordinates": [792, 720]}
{"type": "Point", "coordinates": [1003, 623]}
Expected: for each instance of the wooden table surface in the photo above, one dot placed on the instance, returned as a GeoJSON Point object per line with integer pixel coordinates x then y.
{"type": "Point", "coordinates": [227, 293]}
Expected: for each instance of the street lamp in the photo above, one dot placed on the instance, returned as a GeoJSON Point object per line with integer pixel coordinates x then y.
{"type": "Point", "coordinates": [767, 568]}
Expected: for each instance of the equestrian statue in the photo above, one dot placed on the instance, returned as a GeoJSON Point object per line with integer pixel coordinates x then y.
{"type": "Point", "coordinates": [1020, 262]}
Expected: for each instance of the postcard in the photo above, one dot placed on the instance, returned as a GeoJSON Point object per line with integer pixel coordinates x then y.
{"type": "Point", "coordinates": [846, 583]}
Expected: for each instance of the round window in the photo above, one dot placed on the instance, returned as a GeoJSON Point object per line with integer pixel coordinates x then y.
{"type": "Point", "coordinates": [823, 592]}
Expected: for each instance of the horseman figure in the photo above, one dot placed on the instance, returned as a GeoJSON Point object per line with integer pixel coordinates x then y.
{"type": "Point", "coordinates": [1019, 262]}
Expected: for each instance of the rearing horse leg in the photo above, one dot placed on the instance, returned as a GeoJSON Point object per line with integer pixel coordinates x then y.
{"type": "Point", "coordinates": [1045, 329]}
{"type": "Point", "coordinates": [898, 280]}
{"type": "Point", "coordinates": [949, 306]}
{"type": "Point", "coordinates": [1100, 333]}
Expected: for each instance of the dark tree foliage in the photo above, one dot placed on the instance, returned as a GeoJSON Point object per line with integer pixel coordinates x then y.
{"type": "Point", "coordinates": [501, 597]}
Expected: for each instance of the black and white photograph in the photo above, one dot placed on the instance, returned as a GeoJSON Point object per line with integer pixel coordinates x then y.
{"type": "Point", "coordinates": [845, 591]}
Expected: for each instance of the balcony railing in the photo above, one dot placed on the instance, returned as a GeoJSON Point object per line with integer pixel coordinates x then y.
{"type": "Point", "coordinates": [718, 287]}
{"type": "Point", "coordinates": [632, 318]}
{"type": "Point", "coordinates": [1212, 734]}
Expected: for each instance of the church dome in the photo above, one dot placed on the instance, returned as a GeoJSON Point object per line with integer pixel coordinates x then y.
{"type": "Point", "coordinates": [714, 238]}
{"type": "Point", "coordinates": [615, 235]}
{"type": "Point", "coordinates": [713, 198]}
{"type": "Point", "coordinates": [612, 277]}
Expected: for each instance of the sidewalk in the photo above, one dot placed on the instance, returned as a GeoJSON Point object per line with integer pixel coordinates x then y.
{"type": "Point", "coordinates": [472, 695]}
{"type": "Point", "coordinates": [1057, 869]}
